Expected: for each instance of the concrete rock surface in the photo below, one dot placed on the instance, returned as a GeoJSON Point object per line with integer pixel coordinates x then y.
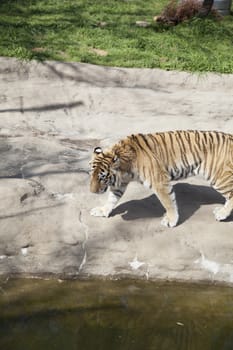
{"type": "Point", "coordinates": [51, 116]}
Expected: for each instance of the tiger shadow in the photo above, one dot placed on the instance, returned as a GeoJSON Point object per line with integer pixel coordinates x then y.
{"type": "Point", "coordinates": [189, 199]}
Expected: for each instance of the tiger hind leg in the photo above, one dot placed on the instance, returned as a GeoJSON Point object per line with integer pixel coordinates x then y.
{"type": "Point", "coordinates": [226, 189]}
{"type": "Point", "coordinates": [222, 213]}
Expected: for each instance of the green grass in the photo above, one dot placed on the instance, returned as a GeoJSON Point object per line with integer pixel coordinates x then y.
{"type": "Point", "coordinates": [69, 30]}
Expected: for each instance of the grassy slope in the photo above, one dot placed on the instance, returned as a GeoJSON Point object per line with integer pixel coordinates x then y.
{"type": "Point", "coordinates": [69, 30]}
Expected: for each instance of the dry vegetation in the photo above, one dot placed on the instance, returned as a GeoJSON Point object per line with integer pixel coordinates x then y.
{"type": "Point", "coordinates": [175, 13]}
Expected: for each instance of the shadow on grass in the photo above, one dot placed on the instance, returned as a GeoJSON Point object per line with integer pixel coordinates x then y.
{"type": "Point", "coordinates": [26, 27]}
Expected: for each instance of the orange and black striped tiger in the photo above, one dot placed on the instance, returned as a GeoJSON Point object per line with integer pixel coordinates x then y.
{"type": "Point", "coordinates": [157, 159]}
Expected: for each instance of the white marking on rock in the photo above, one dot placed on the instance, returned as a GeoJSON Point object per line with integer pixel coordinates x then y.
{"type": "Point", "coordinates": [3, 257]}
{"type": "Point", "coordinates": [135, 264]}
{"type": "Point", "coordinates": [86, 236]}
{"type": "Point", "coordinates": [63, 196]}
{"type": "Point", "coordinates": [209, 265]}
{"type": "Point", "coordinates": [24, 251]}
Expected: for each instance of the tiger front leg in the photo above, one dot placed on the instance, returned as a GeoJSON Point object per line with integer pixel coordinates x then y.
{"type": "Point", "coordinates": [113, 198]}
{"type": "Point", "coordinates": [166, 195]}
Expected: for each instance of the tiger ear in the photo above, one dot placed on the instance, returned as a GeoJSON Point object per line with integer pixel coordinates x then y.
{"type": "Point", "coordinates": [98, 150]}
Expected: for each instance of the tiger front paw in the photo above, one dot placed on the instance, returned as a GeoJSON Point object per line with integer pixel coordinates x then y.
{"type": "Point", "coordinates": [220, 213]}
{"type": "Point", "coordinates": [100, 211]}
{"type": "Point", "coordinates": [170, 221]}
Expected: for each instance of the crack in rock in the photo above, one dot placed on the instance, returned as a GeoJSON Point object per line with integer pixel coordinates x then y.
{"type": "Point", "coordinates": [84, 260]}
{"type": "Point", "coordinates": [37, 189]}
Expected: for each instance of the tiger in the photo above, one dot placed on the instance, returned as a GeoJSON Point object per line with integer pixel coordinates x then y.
{"type": "Point", "coordinates": [157, 159]}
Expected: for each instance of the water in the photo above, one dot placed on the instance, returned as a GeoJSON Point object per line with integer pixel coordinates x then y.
{"type": "Point", "coordinates": [109, 315]}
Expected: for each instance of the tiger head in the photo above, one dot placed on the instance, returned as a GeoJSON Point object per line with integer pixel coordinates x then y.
{"type": "Point", "coordinates": [104, 166]}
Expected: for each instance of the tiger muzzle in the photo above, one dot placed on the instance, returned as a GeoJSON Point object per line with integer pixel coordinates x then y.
{"type": "Point", "coordinates": [96, 188]}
